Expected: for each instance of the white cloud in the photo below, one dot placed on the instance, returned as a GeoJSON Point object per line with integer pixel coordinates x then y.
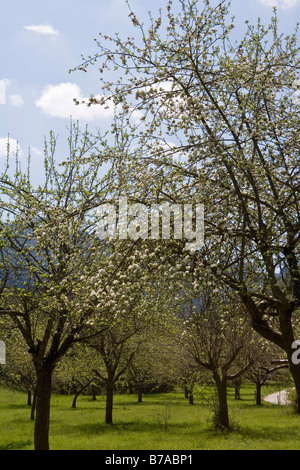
{"type": "Point", "coordinates": [16, 100]}
{"type": "Point", "coordinates": [58, 101]}
{"type": "Point", "coordinates": [284, 4]}
{"type": "Point", "coordinates": [45, 29]}
{"type": "Point", "coordinates": [12, 150]}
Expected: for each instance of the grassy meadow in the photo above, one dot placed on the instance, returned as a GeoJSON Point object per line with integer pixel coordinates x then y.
{"type": "Point", "coordinates": [160, 422]}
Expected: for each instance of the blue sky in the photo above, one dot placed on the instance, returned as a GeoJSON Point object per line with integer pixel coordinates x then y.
{"type": "Point", "coordinates": [42, 40]}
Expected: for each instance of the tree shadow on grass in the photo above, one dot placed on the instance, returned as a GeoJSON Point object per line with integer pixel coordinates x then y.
{"type": "Point", "coordinates": [14, 406]}
{"type": "Point", "coordinates": [16, 445]}
{"type": "Point", "coordinates": [204, 436]}
{"type": "Point", "coordinates": [128, 427]}
{"type": "Point", "coordinates": [270, 432]}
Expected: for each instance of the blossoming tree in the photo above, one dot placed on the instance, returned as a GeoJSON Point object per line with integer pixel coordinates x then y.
{"type": "Point", "coordinates": [219, 124]}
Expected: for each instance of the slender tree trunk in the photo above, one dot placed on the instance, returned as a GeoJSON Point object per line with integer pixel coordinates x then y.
{"type": "Point", "coordinates": [82, 387]}
{"type": "Point", "coordinates": [186, 392]}
{"type": "Point", "coordinates": [191, 398]}
{"type": "Point", "coordinates": [75, 399]}
{"type": "Point", "coordinates": [237, 389]}
{"type": "Point", "coordinates": [140, 395]}
{"type": "Point", "coordinates": [258, 394]}
{"type": "Point", "coordinates": [109, 401]}
{"type": "Point", "coordinates": [93, 393]}
{"type": "Point", "coordinates": [33, 406]}
{"type": "Point", "coordinates": [42, 422]}
{"type": "Point", "coordinates": [29, 397]}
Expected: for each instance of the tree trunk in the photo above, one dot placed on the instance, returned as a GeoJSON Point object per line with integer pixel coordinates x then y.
{"type": "Point", "coordinates": [29, 397]}
{"type": "Point", "coordinates": [42, 422]}
{"type": "Point", "coordinates": [33, 406]}
{"type": "Point", "coordinates": [140, 395]}
{"type": "Point", "coordinates": [222, 416]}
{"type": "Point", "coordinates": [237, 389]}
{"type": "Point", "coordinates": [109, 401]}
{"type": "Point", "coordinates": [186, 392]}
{"type": "Point", "coordinates": [75, 399]}
{"type": "Point", "coordinates": [82, 387]}
{"type": "Point", "coordinates": [93, 393]}
{"type": "Point", "coordinates": [295, 371]}
{"type": "Point", "coordinates": [191, 398]}
{"type": "Point", "coordinates": [258, 394]}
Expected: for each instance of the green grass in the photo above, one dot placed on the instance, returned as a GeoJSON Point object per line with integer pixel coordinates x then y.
{"type": "Point", "coordinates": [161, 422]}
